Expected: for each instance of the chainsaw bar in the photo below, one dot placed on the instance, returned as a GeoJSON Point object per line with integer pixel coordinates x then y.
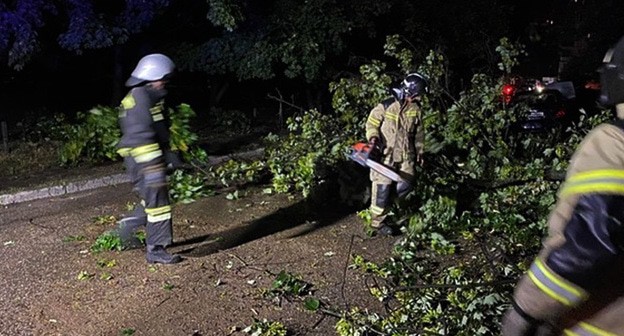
{"type": "Point", "coordinates": [359, 153]}
{"type": "Point", "coordinates": [385, 171]}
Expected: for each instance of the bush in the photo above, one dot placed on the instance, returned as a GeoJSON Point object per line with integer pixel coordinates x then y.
{"type": "Point", "coordinates": [93, 137]}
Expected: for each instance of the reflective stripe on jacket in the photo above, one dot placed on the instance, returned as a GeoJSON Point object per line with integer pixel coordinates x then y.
{"type": "Point", "coordinates": [399, 127]}
{"type": "Point", "coordinates": [585, 242]}
{"type": "Point", "coordinates": [144, 124]}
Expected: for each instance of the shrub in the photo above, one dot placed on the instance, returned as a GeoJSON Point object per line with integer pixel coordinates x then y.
{"type": "Point", "coordinates": [93, 137]}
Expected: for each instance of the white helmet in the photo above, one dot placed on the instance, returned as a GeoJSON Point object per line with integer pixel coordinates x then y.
{"type": "Point", "coordinates": [152, 67]}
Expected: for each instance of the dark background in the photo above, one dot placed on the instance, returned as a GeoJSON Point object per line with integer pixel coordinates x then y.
{"type": "Point", "coordinates": [66, 73]}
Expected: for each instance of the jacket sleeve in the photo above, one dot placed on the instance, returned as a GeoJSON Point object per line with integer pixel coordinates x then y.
{"type": "Point", "coordinates": [374, 121]}
{"type": "Point", "coordinates": [594, 239]}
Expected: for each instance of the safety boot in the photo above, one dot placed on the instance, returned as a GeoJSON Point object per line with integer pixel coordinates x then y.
{"type": "Point", "coordinates": [384, 230]}
{"type": "Point", "coordinates": [156, 254]}
{"type": "Point", "coordinates": [126, 228]}
{"type": "Point", "coordinates": [385, 227]}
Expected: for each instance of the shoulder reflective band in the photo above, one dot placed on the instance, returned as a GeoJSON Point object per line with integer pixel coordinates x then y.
{"type": "Point", "coordinates": [128, 102]}
{"type": "Point", "coordinates": [373, 121]}
{"type": "Point", "coordinates": [158, 214]}
{"type": "Point", "coordinates": [555, 286]}
{"type": "Point", "coordinates": [586, 329]}
{"type": "Point", "coordinates": [595, 181]}
{"type": "Point", "coordinates": [146, 153]}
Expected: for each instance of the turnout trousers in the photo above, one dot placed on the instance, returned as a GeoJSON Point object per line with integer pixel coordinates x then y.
{"type": "Point", "coordinates": [382, 188]}
{"type": "Point", "coordinates": [150, 183]}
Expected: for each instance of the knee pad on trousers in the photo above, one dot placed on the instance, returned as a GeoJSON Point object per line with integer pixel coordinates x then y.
{"type": "Point", "coordinates": [382, 197]}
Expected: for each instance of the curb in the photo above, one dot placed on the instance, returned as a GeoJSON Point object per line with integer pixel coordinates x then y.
{"type": "Point", "coordinates": [110, 180]}
{"type": "Point", "coordinates": [63, 189]}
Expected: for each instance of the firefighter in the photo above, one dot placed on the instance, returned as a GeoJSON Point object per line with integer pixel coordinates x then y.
{"type": "Point", "coordinates": [395, 133]}
{"type": "Point", "coordinates": [144, 145]}
{"type": "Point", "coordinates": [574, 286]}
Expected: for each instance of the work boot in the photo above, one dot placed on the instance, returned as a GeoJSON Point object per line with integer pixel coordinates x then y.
{"type": "Point", "coordinates": [384, 230]}
{"type": "Point", "coordinates": [156, 254]}
{"type": "Point", "coordinates": [126, 228]}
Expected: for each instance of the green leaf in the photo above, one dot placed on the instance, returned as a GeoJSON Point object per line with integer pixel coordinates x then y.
{"type": "Point", "coordinates": [312, 304]}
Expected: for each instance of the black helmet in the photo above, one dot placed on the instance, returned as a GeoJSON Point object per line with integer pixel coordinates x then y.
{"type": "Point", "coordinates": [414, 84]}
{"type": "Point", "coordinates": [612, 76]}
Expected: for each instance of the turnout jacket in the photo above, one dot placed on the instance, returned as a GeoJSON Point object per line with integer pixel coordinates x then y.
{"type": "Point", "coordinates": [144, 124]}
{"type": "Point", "coordinates": [399, 127]}
{"type": "Point", "coordinates": [583, 253]}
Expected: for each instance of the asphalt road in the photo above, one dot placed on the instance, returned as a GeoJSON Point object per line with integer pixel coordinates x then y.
{"type": "Point", "coordinates": [33, 256]}
{"type": "Point", "coordinates": [234, 249]}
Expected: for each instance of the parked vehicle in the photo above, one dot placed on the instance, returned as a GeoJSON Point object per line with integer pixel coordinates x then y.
{"type": "Point", "coordinates": [542, 106]}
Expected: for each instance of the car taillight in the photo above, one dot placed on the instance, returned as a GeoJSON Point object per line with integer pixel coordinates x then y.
{"type": "Point", "coordinates": [508, 92]}
{"type": "Point", "coordinates": [560, 114]}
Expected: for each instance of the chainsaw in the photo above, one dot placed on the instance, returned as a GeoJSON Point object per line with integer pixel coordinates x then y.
{"type": "Point", "coordinates": [360, 153]}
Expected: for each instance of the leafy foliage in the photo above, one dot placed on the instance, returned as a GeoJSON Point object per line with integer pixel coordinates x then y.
{"type": "Point", "coordinates": [239, 172]}
{"type": "Point", "coordinates": [108, 241]}
{"type": "Point", "coordinates": [313, 152]}
{"type": "Point", "coordinates": [84, 25]}
{"type": "Point", "coordinates": [185, 187]}
{"type": "Point", "coordinates": [266, 328]}
{"type": "Point", "coordinates": [476, 208]}
{"type": "Point", "coordinates": [287, 284]}
{"type": "Point", "coordinates": [93, 137]}
{"type": "Point", "coordinates": [226, 13]}
{"type": "Point", "coordinates": [284, 38]}
{"type": "Point", "coordinates": [301, 160]}
{"type": "Point", "coordinates": [43, 129]}
{"type": "Point", "coordinates": [182, 136]}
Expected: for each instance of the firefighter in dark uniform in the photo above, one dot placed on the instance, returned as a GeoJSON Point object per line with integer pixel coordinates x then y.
{"type": "Point", "coordinates": [575, 285]}
{"type": "Point", "coordinates": [145, 147]}
{"type": "Point", "coordinates": [394, 130]}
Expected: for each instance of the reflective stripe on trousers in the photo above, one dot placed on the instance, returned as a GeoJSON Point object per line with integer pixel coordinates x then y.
{"type": "Point", "coordinates": [150, 182]}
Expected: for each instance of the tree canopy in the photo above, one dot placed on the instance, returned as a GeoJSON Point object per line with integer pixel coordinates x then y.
{"type": "Point", "coordinates": [85, 24]}
{"type": "Point", "coordinates": [306, 43]}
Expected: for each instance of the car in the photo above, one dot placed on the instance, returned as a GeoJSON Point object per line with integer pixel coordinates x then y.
{"type": "Point", "coordinates": [542, 106]}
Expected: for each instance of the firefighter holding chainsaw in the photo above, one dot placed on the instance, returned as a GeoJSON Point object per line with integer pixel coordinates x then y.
{"type": "Point", "coordinates": [144, 145]}
{"type": "Point", "coordinates": [575, 286]}
{"type": "Point", "coordinates": [394, 130]}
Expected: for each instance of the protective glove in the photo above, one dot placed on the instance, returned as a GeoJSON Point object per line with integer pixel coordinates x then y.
{"type": "Point", "coordinates": [173, 161]}
{"type": "Point", "coordinates": [519, 324]}
{"type": "Point", "coordinates": [375, 148]}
